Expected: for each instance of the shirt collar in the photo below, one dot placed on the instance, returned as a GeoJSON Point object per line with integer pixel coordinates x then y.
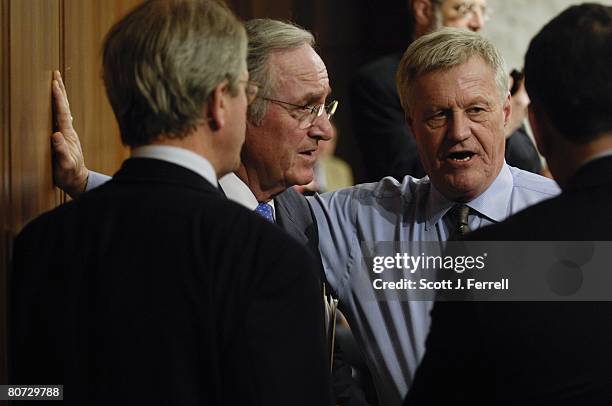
{"type": "Point", "coordinates": [238, 191]}
{"type": "Point", "coordinates": [493, 203]}
{"type": "Point", "coordinates": [178, 156]}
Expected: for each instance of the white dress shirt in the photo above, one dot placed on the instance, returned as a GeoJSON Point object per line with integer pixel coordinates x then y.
{"type": "Point", "coordinates": [238, 191]}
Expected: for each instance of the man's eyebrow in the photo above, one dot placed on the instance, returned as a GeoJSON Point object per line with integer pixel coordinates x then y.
{"type": "Point", "coordinates": [314, 97]}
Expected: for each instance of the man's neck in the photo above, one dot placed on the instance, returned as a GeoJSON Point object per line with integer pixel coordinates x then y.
{"type": "Point", "coordinates": [575, 156]}
{"type": "Point", "coordinates": [262, 192]}
{"type": "Point", "coordinates": [198, 141]}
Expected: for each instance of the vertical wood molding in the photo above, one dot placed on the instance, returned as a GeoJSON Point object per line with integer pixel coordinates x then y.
{"type": "Point", "coordinates": [34, 40]}
{"type": "Point", "coordinates": [5, 211]}
{"type": "Point", "coordinates": [85, 26]}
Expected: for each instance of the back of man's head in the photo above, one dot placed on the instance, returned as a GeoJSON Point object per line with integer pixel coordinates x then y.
{"type": "Point", "coordinates": [162, 61]}
{"type": "Point", "coordinates": [568, 72]}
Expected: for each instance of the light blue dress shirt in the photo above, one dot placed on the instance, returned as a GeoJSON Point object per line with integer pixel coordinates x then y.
{"type": "Point", "coordinates": [390, 328]}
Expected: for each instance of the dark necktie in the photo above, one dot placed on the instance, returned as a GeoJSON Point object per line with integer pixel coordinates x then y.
{"type": "Point", "coordinates": [459, 220]}
{"type": "Point", "coordinates": [265, 211]}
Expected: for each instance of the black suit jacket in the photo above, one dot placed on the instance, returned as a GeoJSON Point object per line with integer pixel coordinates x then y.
{"type": "Point", "coordinates": [528, 353]}
{"type": "Point", "coordinates": [379, 124]}
{"type": "Point", "coordinates": [294, 215]}
{"type": "Point", "coordinates": [521, 152]}
{"type": "Point", "coordinates": [154, 289]}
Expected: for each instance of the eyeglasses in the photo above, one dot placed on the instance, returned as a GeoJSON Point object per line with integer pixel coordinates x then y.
{"type": "Point", "coordinates": [306, 115]}
{"type": "Point", "coordinates": [469, 9]}
{"type": "Point", "coordinates": [250, 90]}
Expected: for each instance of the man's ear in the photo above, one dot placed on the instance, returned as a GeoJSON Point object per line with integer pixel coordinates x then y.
{"type": "Point", "coordinates": [216, 107]}
{"type": "Point", "coordinates": [507, 110]}
{"type": "Point", "coordinates": [541, 131]}
{"type": "Point", "coordinates": [423, 12]}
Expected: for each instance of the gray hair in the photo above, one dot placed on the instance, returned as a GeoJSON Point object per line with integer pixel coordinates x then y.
{"type": "Point", "coordinates": [163, 60]}
{"type": "Point", "coordinates": [267, 36]}
{"type": "Point", "coordinates": [445, 49]}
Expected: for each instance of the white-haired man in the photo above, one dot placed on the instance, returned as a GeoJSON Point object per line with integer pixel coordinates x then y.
{"type": "Point", "coordinates": [453, 88]}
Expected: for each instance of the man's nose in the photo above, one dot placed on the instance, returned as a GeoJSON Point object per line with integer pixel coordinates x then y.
{"type": "Point", "coordinates": [476, 22]}
{"type": "Point", "coordinates": [459, 127]}
{"type": "Point", "coordinates": [321, 128]}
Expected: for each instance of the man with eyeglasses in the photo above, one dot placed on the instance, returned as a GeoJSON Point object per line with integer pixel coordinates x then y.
{"type": "Point", "coordinates": [154, 289]}
{"type": "Point", "coordinates": [288, 115]}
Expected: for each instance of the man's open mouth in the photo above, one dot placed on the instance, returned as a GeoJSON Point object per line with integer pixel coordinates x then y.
{"type": "Point", "coordinates": [461, 156]}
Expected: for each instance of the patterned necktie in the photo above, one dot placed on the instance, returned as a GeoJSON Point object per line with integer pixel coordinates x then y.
{"type": "Point", "coordinates": [265, 211]}
{"type": "Point", "coordinates": [459, 219]}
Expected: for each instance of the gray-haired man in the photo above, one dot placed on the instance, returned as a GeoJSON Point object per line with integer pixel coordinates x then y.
{"type": "Point", "coordinates": [284, 125]}
{"type": "Point", "coordinates": [453, 88]}
{"type": "Point", "coordinates": [135, 291]}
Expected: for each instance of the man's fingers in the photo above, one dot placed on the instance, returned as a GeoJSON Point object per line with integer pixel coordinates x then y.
{"type": "Point", "coordinates": [58, 76]}
{"type": "Point", "coordinates": [63, 116]}
{"type": "Point", "coordinates": [57, 138]}
{"type": "Point", "coordinates": [61, 100]}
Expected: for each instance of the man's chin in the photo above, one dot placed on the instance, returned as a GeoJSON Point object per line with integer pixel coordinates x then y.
{"type": "Point", "coordinates": [302, 179]}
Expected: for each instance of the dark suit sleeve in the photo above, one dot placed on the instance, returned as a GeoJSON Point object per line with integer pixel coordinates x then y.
{"type": "Point", "coordinates": [453, 370]}
{"type": "Point", "coordinates": [288, 361]}
{"type": "Point", "coordinates": [379, 125]}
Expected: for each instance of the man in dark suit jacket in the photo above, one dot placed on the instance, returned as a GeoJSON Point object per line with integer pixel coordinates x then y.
{"type": "Point", "coordinates": [279, 151]}
{"type": "Point", "coordinates": [510, 353]}
{"type": "Point", "coordinates": [153, 288]}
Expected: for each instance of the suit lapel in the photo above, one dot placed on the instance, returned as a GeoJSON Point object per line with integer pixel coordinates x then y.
{"type": "Point", "coordinates": [286, 219]}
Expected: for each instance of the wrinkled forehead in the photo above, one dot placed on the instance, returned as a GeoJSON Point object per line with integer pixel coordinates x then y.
{"type": "Point", "coordinates": [300, 73]}
{"type": "Point", "coordinates": [473, 78]}
{"type": "Point", "coordinates": [453, 3]}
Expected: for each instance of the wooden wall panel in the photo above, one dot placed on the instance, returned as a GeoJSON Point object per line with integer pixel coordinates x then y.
{"type": "Point", "coordinates": [85, 25]}
{"type": "Point", "coordinates": [37, 37]}
{"type": "Point", "coordinates": [34, 54]}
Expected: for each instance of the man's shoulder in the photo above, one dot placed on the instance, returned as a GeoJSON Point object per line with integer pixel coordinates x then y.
{"type": "Point", "coordinates": [386, 64]}
{"type": "Point", "coordinates": [533, 184]}
{"type": "Point", "coordinates": [37, 227]}
{"type": "Point", "coordinates": [530, 224]}
{"type": "Point", "coordinates": [380, 72]}
{"type": "Point", "coordinates": [370, 196]}
{"type": "Point", "coordinates": [291, 198]}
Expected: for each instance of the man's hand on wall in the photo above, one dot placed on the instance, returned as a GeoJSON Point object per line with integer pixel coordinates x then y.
{"type": "Point", "coordinates": [69, 171]}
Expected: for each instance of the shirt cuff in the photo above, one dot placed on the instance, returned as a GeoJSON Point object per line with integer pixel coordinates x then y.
{"type": "Point", "coordinates": [96, 179]}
